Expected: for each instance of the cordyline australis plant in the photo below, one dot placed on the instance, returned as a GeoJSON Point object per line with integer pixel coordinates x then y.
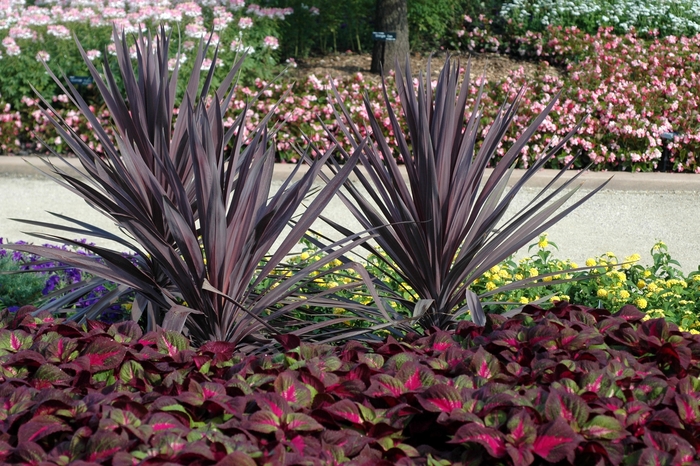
{"type": "Point", "coordinates": [202, 219]}
{"type": "Point", "coordinates": [443, 229]}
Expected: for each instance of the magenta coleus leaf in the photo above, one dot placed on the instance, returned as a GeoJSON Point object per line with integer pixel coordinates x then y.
{"type": "Point", "coordinates": [103, 444]}
{"type": "Point", "coordinates": [345, 409]}
{"type": "Point", "coordinates": [556, 441]}
{"type": "Point", "coordinates": [440, 398]}
{"type": "Point", "coordinates": [163, 421]}
{"type": "Point", "coordinates": [491, 439]}
{"type": "Point", "coordinates": [39, 427]}
{"type": "Point", "coordinates": [104, 353]}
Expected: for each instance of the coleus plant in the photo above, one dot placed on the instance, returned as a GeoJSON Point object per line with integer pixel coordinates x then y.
{"type": "Point", "coordinates": [446, 226]}
{"type": "Point", "coordinates": [202, 219]}
{"type": "Point", "coordinates": [568, 385]}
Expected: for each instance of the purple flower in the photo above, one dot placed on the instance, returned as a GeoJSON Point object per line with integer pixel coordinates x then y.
{"type": "Point", "coordinates": [51, 284]}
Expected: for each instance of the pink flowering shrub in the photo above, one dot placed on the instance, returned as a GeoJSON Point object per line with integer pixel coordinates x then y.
{"type": "Point", "coordinates": [633, 90]}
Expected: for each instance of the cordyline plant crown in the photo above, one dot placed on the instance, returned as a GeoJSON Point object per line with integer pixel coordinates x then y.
{"type": "Point", "coordinates": [203, 219]}
{"type": "Point", "coordinates": [445, 227]}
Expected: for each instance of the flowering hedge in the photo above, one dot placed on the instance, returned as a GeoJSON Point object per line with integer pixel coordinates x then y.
{"type": "Point", "coordinates": [635, 89]}
{"type": "Point", "coordinates": [42, 31]}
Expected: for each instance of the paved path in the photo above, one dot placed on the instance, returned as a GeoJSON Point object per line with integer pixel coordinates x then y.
{"type": "Point", "coordinates": [634, 211]}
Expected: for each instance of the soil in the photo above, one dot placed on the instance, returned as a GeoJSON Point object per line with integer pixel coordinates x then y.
{"type": "Point", "coordinates": [344, 65]}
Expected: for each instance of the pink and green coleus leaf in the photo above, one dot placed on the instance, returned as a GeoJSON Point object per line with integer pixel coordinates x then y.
{"type": "Point", "coordinates": [104, 353]}
{"type": "Point", "coordinates": [125, 332]}
{"type": "Point", "coordinates": [295, 392]}
{"type": "Point", "coordinates": [556, 441]}
{"type": "Point", "coordinates": [62, 350]}
{"type": "Point", "coordinates": [650, 390]}
{"type": "Point", "coordinates": [485, 364]}
{"type": "Point", "coordinates": [440, 398]}
{"type": "Point", "coordinates": [605, 428]}
{"type": "Point", "coordinates": [571, 407]}
{"type": "Point", "coordinates": [522, 432]}
{"type": "Point", "coordinates": [301, 422]}
{"type": "Point", "coordinates": [103, 444]}
{"type": "Point", "coordinates": [131, 371]}
{"type": "Point", "coordinates": [12, 341]}
{"type": "Point", "coordinates": [50, 373]}
{"type": "Point", "coordinates": [385, 385]}
{"type": "Point", "coordinates": [264, 421]}
{"type": "Point", "coordinates": [39, 427]}
{"type": "Point", "coordinates": [171, 343]}
{"type": "Point", "coordinates": [347, 410]}
{"type": "Point", "coordinates": [489, 438]}
{"type": "Point", "coordinates": [415, 377]}
{"type": "Point", "coordinates": [688, 409]}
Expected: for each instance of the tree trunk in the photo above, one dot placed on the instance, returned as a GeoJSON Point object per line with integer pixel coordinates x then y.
{"type": "Point", "coordinates": [391, 16]}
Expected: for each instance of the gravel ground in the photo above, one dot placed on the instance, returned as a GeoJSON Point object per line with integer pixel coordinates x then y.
{"type": "Point", "coordinates": [628, 217]}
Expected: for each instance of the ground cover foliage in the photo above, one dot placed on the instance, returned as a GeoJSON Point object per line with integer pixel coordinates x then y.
{"type": "Point", "coordinates": [568, 385]}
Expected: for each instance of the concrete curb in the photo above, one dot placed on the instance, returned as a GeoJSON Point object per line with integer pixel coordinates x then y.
{"type": "Point", "coordinates": [621, 181]}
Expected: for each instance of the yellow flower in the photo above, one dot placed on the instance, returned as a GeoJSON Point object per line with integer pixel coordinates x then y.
{"type": "Point", "coordinates": [624, 294]}
{"type": "Point", "coordinates": [565, 297]}
{"type": "Point", "coordinates": [543, 243]}
{"type": "Point", "coordinates": [555, 299]}
{"type": "Point", "coordinates": [332, 284]}
{"type": "Point", "coordinates": [641, 303]}
{"type": "Point", "coordinates": [533, 272]}
{"type": "Point", "coordinates": [547, 279]}
{"type": "Point", "coordinates": [495, 269]}
{"type": "Point", "coordinates": [657, 247]}
{"type": "Point", "coordinates": [504, 274]}
{"type": "Point", "coordinates": [304, 256]}
{"type": "Point", "coordinates": [602, 292]}
{"type": "Point", "coordinates": [338, 310]}
{"type": "Point", "coordinates": [518, 276]}
{"type": "Point", "coordinates": [524, 300]}
{"type": "Point", "coordinates": [647, 273]}
{"type": "Point", "coordinates": [641, 284]}
{"type": "Point", "coordinates": [490, 286]}
{"type": "Point", "coordinates": [590, 262]}
{"type": "Point", "coordinates": [573, 265]}
{"type": "Point", "coordinates": [652, 287]}
{"type": "Point", "coordinates": [336, 263]}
